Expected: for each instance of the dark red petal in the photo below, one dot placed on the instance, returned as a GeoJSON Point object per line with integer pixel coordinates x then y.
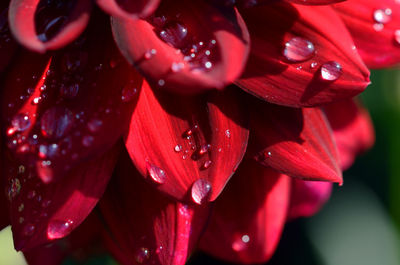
{"type": "Point", "coordinates": [187, 147]}
{"type": "Point", "coordinates": [41, 212]}
{"type": "Point", "coordinates": [297, 142]}
{"type": "Point", "coordinates": [315, 2]}
{"type": "Point", "coordinates": [307, 197]}
{"type": "Point", "coordinates": [42, 25]}
{"type": "Point", "coordinates": [82, 242]}
{"type": "Point", "coordinates": [167, 63]}
{"type": "Point", "coordinates": [129, 9]}
{"type": "Point", "coordinates": [145, 226]}
{"type": "Point", "coordinates": [7, 44]}
{"type": "Point", "coordinates": [352, 129]}
{"type": "Point", "coordinates": [319, 66]}
{"type": "Point", "coordinates": [65, 109]}
{"type": "Point", "coordinates": [248, 218]}
{"type": "Point", "coordinates": [375, 27]}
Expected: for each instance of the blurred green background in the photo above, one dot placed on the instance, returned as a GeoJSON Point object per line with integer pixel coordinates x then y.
{"type": "Point", "coordinates": [360, 225]}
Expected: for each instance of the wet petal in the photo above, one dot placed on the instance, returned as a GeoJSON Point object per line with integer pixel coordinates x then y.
{"type": "Point", "coordinates": [129, 9]}
{"type": "Point", "coordinates": [41, 212]}
{"type": "Point", "coordinates": [304, 57]}
{"type": "Point", "coordinates": [248, 218]}
{"type": "Point", "coordinates": [307, 197]}
{"type": "Point", "coordinates": [186, 47]}
{"type": "Point", "coordinates": [69, 107]}
{"type": "Point", "coordinates": [297, 142]}
{"type": "Point", "coordinates": [352, 129]}
{"type": "Point", "coordinates": [187, 147]}
{"type": "Point", "coordinates": [315, 2]}
{"type": "Point", "coordinates": [144, 225]}
{"type": "Point", "coordinates": [375, 27]}
{"type": "Point", "coordinates": [42, 25]}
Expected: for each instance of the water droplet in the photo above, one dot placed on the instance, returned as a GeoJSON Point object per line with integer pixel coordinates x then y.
{"type": "Point", "coordinates": [378, 26]}
{"type": "Point", "coordinates": [21, 169]}
{"type": "Point", "coordinates": [59, 229]}
{"type": "Point", "coordinates": [48, 151]}
{"type": "Point", "coordinates": [44, 170]}
{"type": "Point", "coordinates": [51, 28]}
{"type": "Point", "coordinates": [142, 255]}
{"type": "Point", "coordinates": [150, 53]}
{"type": "Point", "coordinates": [176, 67]}
{"type": "Point", "coordinates": [19, 123]}
{"type": "Point", "coordinates": [397, 36]}
{"type": "Point", "coordinates": [313, 65]}
{"type": "Point", "coordinates": [161, 82]}
{"type": "Point", "coordinates": [228, 133]}
{"type": "Point", "coordinates": [21, 220]}
{"type": "Point", "coordinates": [204, 149]}
{"type": "Point", "coordinates": [56, 122]}
{"type": "Point", "coordinates": [21, 207]}
{"type": "Point", "coordinates": [240, 243]}
{"type": "Point", "coordinates": [206, 164]}
{"type": "Point", "coordinates": [94, 125]}
{"type": "Point", "coordinates": [87, 140]}
{"type": "Point", "coordinates": [178, 148]}
{"type": "Point", "coordinates": [14, 188]}
{"type": "Point", "coordinates": [156, 174]}
{"type": "Point", "coordinates": [383, 16]}
{"type": "Point", "coordinates": [128, 92]}
{"type": "Point", "coordinates": [28, 229]}
{"type": "Point", "coordinates": [174, 33]}
{"type": "Point", "coordinates": [36, 100]}
{"type": "Point", "coordinates": [331, 71]}
{"type": "Point", "coordinates": [298, 49]}
{"type": "Point", "coordinates": [201, 191]}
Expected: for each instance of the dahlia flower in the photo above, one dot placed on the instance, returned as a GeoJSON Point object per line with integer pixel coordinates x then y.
{"type": "Point", "coordinates": [180, 125]}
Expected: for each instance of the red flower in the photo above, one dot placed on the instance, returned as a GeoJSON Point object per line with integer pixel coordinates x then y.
{"type": "Point", "coordinates": [70, 95]}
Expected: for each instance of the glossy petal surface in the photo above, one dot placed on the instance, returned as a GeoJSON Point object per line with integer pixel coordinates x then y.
{"type": "Point", "coordinates": [315, 2]}
{"type": "Point", "coordinates": [297, 142]}
{"type": "Point", "coordinates": [177, 49]}
{"type": "Point", "coordinates": [144, 225]}
{"type": "Point", "coordinates": [175, 141]}
{"type": "Point", "coordinates": [129, 9]}
{"type": "Point", "coordinates": [248, 218]}
{"type": "Point", "coordinates": [375, 28]}
{"type": "Point", "coordinates": [41, 212]}
{"type": "Point", "coordinates": [307, 197]}
{"type": "Point", "coordinates": [352, 129]}
{"type": "Point", "coordinates": [42, 25]}
{"type": "Point", "coordinates": [304, 57]}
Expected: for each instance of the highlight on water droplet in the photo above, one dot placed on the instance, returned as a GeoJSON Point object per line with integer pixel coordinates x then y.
{"type": "Point", "coordinates": [201, 191]}
{"type": "Point", "coordinates": [19, 123]}
{"type": "Point", "coordinates": [240, 243]}
{"type": "Point", "coordinates": [56, 122]}
{"type": "Point", "coordinates": [142, 255]}
{"type": "Point", "coordinates": [58, 229]}
{"type": "Point", "coordinates": [331, 71]}
{"type": "Point", "coordinates": [298, 49]}
{"type": "Point", "coordinates": [383, 16]}
{"type": "Point", "coordinates": [156, 174]}
{"type": "Point", "coordinates": [28, 229]}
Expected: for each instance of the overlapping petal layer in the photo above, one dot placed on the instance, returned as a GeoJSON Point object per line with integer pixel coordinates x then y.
{"type": "Point", "coordinates": [129, 9]}
{"type": "Point", "coordinates": [42, 25]}
{"type": "Point", "coordinates": [248, 218]}
{"type": "Point", "coordinates": [375, 28]}
{"type": "Point", "coordinates": [177, 49]}
{"type": "Point", "coordinates": [144, 225]}
{"type": "Point", "coordinates": [297, 142]}
{"type": "Point", "coordinates": [187, 146]}
{"type": "Point", "coordinates": [301, 56]}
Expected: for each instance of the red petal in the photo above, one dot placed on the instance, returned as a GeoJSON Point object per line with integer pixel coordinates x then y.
{"type": "Point", "coordinates": [297, 142]}
{"type": "Point", "coordinates": [68, 108]}
{"type": "Point", "coordinates": [307, 197]}
{"type": "Point", "coordinates": [41, 212]}
{"type": "Point", "coordinates": [187, 145]}
{"type": "Point", "coordinates": [218, 61]}
{"type": "Point", "coordinates": [145, 226]}
{"type": "Point", "coordinates": [375, 27]}
{"type": "Point", "coordinates": [41, 26]}
{"type": "Point", "coordinates": [129, 9]}
{"type": "Point", "coordinates": [352, 129]}
{"type": "Point", "coordinates": [315, 2]}
{"type": "Point", "coordinates": [248, 218]}
{"type": "Point", "coordinates": [298, 74]}
{"type": "Point", "coordinates": [79, 244]}
{"type": "Point", "coordinates": [7, 44]}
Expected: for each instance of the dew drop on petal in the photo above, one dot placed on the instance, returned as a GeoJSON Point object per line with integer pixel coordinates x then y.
{"type": "Point", "coordinates": [178, 148]}
{"type": "Point", "coordinates": [204, 149]}
{"type": "Point", "coordinates": [240, 243]}
{"type": "Point", "coordinates": [70, 91]}
{"type": "Point", "coordinates": [206, 164]}
{"type": "Point", "coordinates": [397, 36]}
{"type": "Point", "coordinates": [94, 125]}
{"type": "Point", "coordinates": [87, 140]}
{"type": "Point", "coordinates": [20, 123]}
{"type": "Point", "coordinates": [383, 16]}
{"type": "Point", "coordinates": [59, 229]}
{"type": "Point", "coordinates": [150, 53]}
{"type": "Point", "coordinates": [56, 122]}
{"type": "Point", "coordinates": [128, 92]}
{"type": "Point", "coordinates": [201, 191]}
{"type": "Point", "coordinates": [298, 49]}
{"type": "Point", "coordinates": [156, 174]}
{"type": "Point", "coordinates": [142, 255]}
{"type": "Point", "coordinates": [331, 71]}
{"type": "Point", "coordinates": [45, 171]}
{"type": "Point", "coordinates": [51, 28]}
{"type": "Point", "coordinates": [174, 33]}
{"type": "Point", "coordinates": [28, 229]}
{"type": "Point", "coordinates": [228, 133]}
